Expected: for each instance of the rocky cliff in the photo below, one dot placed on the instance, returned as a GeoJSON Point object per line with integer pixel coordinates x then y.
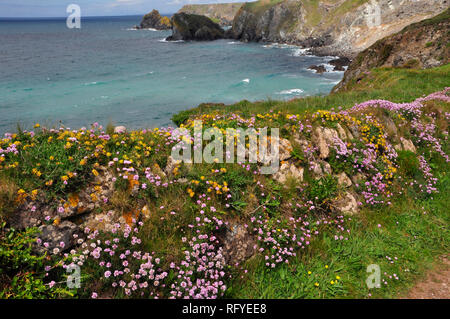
{"type": "Point", "coordinates": [221, 13]}
{"type": "Point", "coordinates": [338, 27]}
{"type": "Point", "coordinates": [154, 20]}
{"type": "Point", "coordinates": [420, 45]}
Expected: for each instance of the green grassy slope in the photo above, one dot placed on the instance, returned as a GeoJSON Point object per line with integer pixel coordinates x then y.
{"type": "Point", "coordinates": [396, 85]}
{"type": "Point", "coordinates": [52, 171]}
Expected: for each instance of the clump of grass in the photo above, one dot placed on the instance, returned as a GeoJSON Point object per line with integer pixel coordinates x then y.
{"type": "Point", "coordinates": [8, 195]}
{"type": "Point", "coordinates": [408, 163]}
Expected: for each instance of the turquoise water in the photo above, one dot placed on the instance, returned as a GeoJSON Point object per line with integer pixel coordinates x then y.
{"type": "Point", "coordinates": [107, 72]}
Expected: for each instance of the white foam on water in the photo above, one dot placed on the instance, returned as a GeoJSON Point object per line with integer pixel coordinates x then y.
{"type": "Point", "coordinates": [145, 29]}
{"type": "Point", "coordinates": [246, 80]}
{"type": "Point", "coordinates": [296, 50]}
{"type": "Point", "coordinates": [330, 68]}
{"type": "Point", "coordinates": [300, 51]}
{"type": "Point", "coordinates": [165, 41]}
{"type": "Point", "coordinates": [291, 92]}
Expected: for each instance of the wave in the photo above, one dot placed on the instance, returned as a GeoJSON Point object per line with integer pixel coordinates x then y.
{"type": "Point", "coordinates": [234, 42]}
{"type": "Point", "coordinates": [145, 29]}
{"type": "Point", "coordinates": [330, 68]}
{"type": "Point", "coordinates": [165, 41]}
{"type": "Point", "coordinates": [94, 83]}
{"type": "Point", "coordinates": [280, 46]}
{"type": "Point", "coordinates": [291, 92]}
{"type": "Point", "coordinates": [246, 80]}
{"type": "Point", "coordinates": [300, 51]}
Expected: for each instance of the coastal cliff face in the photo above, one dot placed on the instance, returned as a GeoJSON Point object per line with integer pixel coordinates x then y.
{"type": "Point", "coordinates": [421, 45]}
{"type": "Point", "coordinates": [194, 27]}
{"type": "Point", "coordinates": [221, 13]}
{"type": "Point", "coordinates": [338, 27]}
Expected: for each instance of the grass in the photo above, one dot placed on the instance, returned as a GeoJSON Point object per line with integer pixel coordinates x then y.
{"type": "Point", "coordinates": [415, 238]}
{"type": "Point", "coordinates": [402, 239]}
{"type": "Point", "coordinates": [413, 231]}
{"type": "Point", "coordinates": [404, 85]}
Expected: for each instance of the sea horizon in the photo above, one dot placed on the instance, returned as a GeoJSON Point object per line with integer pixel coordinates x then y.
{"type": "Point", "coordinates": [140, 15]}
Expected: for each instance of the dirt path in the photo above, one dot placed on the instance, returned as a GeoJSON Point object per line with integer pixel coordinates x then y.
{"type": "Point", "coordinates": [436, 285]}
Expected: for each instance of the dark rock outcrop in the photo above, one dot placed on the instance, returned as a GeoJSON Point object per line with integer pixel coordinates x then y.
{"type": "Point", "coordinates": [154, 20]}
{"type": "Point", "coordinates": [194, 27]}
{"type": "Point", "coordinates": [420, 45]}
{"type": "Point", "coordinates": [339, 63]}
{"type": "Point", "coordinates": [318, 68]}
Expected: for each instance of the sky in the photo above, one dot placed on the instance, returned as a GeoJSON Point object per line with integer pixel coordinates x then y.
{"type": "Point", "coordinates": [57, 8]}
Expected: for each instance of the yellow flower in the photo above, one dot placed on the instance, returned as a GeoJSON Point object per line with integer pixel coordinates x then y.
{"type": "Point", "coordinates": [64, 178]}
{"type": "Point", "coordinates": [316, 284]}
{"type": "Point", "coordinates": [338, 277]}
{"type": "Point", "coordinates": [83, 162]}
{"type": "Point", "coordinates": [309, 273]}
{"type": "Point", "coordinates": [332, 282]}
{"type": "Point", "coordinates": [37, 125]}
{"type": "Point", "coordinates": [95, 172]}
{"type": "Point", "coordinates": [326, 266]}
{"type": "Point", "coordinates": [20, 191]}
{"type": "Point", "coordinates": [56, 221]}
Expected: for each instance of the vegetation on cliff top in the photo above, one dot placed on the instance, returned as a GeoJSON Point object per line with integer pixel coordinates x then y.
{"type": "Point", "coordinates": [404, 85]}
{"type": "Point", "coordinates": [151, 227]}
{"type": "Point", "coordinates": [221, 13]}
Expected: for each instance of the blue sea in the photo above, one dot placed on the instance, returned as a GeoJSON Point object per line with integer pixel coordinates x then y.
{"type": "Point", "coordinates": [106, 71]}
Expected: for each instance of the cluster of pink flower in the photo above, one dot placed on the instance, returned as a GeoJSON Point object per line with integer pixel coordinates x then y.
{"type": "Point", "coordinates": [10, 149]}
{"type": "Point", "coordinates": [200, 275]}
{"type": "Point", "coordinates": [424, 133]}
{"type": "Point", "coordinates": [374, 190]}
{"type": "Point", "coordinates": [429, 178]}
{"type": "Point", "coordinates": [123, 265]}
{"type": "Point", "coordinates": [276, 241]}
{"type": "Point", "coordinates": [278, 238]}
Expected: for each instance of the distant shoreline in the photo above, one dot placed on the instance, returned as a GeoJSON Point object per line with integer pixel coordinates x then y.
{"type": "Point", "coordinates": [64, 18]}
